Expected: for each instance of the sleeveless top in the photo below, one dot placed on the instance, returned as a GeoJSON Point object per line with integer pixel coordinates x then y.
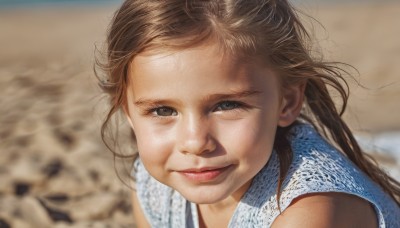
{"type": "Point", "coordinates": [316, 167]}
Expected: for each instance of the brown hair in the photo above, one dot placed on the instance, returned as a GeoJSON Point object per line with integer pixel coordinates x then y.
{"type": "Point", "coordinates": [269, 30]}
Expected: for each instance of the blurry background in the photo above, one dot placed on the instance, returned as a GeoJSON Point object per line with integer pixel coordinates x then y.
{"type": "Point", "coordinates": [54, 169]}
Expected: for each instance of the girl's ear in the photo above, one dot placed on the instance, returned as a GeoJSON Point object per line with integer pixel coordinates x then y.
{"type": "Point", "coordinates": [292, 102]}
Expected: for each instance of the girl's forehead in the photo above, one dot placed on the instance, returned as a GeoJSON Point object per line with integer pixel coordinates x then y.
{"type": "Point", "coordinates": [208, 47]}
{"type": "Point", "coordinates": [201, 66]}
{"type": "Point", "coordinates": [185, 61]}
{"type": "Point", "coordinates": [210, 57]}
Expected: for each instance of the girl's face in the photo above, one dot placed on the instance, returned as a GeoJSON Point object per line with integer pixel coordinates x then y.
{"type": "Point", "coordinates": [205, 123]}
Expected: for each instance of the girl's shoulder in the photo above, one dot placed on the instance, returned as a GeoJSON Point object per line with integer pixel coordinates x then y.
{"type": "Point", "coordinates": [329, 209]}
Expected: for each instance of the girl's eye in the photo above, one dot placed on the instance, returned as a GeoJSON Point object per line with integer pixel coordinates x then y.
{"type": "Point", "coordinates": [227, 105]}
{"type": "Point", "coordinates": [164, 111]}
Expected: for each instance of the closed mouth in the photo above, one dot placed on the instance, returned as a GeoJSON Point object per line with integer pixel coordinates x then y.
{"type": "Point", "coordinates": [205, 174]}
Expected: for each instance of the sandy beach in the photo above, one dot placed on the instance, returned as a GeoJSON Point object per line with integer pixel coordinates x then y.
{"type": "Point", "coordinates": [55, 170]}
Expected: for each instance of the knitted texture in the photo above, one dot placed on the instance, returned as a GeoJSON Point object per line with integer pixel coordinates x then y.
{"type": "Point", "coordinates": [316, 167]}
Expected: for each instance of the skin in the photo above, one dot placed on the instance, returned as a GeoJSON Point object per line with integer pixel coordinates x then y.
{"type": "Point", "coordinates": [205, 124]}
{"type": "Point", "coordinates": [328, 210]}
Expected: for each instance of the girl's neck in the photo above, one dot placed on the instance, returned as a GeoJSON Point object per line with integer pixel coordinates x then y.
{"type": "Point", "coordinates": [216, 215]}
{"type": "Point", "coordinates": [219, 214]}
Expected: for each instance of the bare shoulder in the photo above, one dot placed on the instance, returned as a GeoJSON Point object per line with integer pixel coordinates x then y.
{"type": "Point", "coordinates": [328, 210]}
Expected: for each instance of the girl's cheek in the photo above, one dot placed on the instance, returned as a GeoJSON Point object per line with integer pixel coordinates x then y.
{"type": "Point", "coordinates": [243, 133]}
{"type": "Point", "coordinates": [248, 134]}
{"type": "Point", "coordinates": [153, 139]}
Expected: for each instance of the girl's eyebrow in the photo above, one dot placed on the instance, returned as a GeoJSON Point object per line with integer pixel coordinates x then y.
{"type": "Point", "coordinates": [219, 96]}
{"type": "Point", "coordinates": [151, 102]}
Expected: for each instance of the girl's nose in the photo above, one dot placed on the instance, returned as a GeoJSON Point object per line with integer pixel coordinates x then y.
{"type": "Point", "coordinates": [195, 137]}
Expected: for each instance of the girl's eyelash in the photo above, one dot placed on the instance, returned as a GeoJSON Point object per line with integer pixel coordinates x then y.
{"type": "Point", "coordinates": [148, 111]}
{"type": "Point", "coordinates": [153, 111]}
{"type": "Point", "coordinates": [229, 105]}
{"type": "Point", "coordinates": [166, 111]}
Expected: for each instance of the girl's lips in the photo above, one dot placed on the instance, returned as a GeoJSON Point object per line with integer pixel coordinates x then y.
{"type": "Point", "coordinates": [203, 174]}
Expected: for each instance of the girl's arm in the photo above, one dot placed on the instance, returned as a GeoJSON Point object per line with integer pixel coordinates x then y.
{"type": "Point", "coordinates": [140, 219]}
{"type": "Point", "coordinates": [328, 210]}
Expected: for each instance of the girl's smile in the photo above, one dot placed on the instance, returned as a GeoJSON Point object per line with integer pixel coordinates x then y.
{"type": "Point", "coordinates": [204, 121]}
{"type": "Point", "coordinates": [207, 174]}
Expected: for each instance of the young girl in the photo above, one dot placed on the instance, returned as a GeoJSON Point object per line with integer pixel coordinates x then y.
{"type": "Point", "coordinates": [228, 107]}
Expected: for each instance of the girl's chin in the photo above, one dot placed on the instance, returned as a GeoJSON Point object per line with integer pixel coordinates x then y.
{"type": "Point", "coordinates": [203, 196]}
{"type": "Point", "coordinates": [203, 200]}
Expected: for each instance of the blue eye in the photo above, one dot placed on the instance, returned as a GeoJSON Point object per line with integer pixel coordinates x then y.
{"type": "Point", "coordinates": [227, 105]}
{"type": "Point", "coordinates": [164, 111]}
